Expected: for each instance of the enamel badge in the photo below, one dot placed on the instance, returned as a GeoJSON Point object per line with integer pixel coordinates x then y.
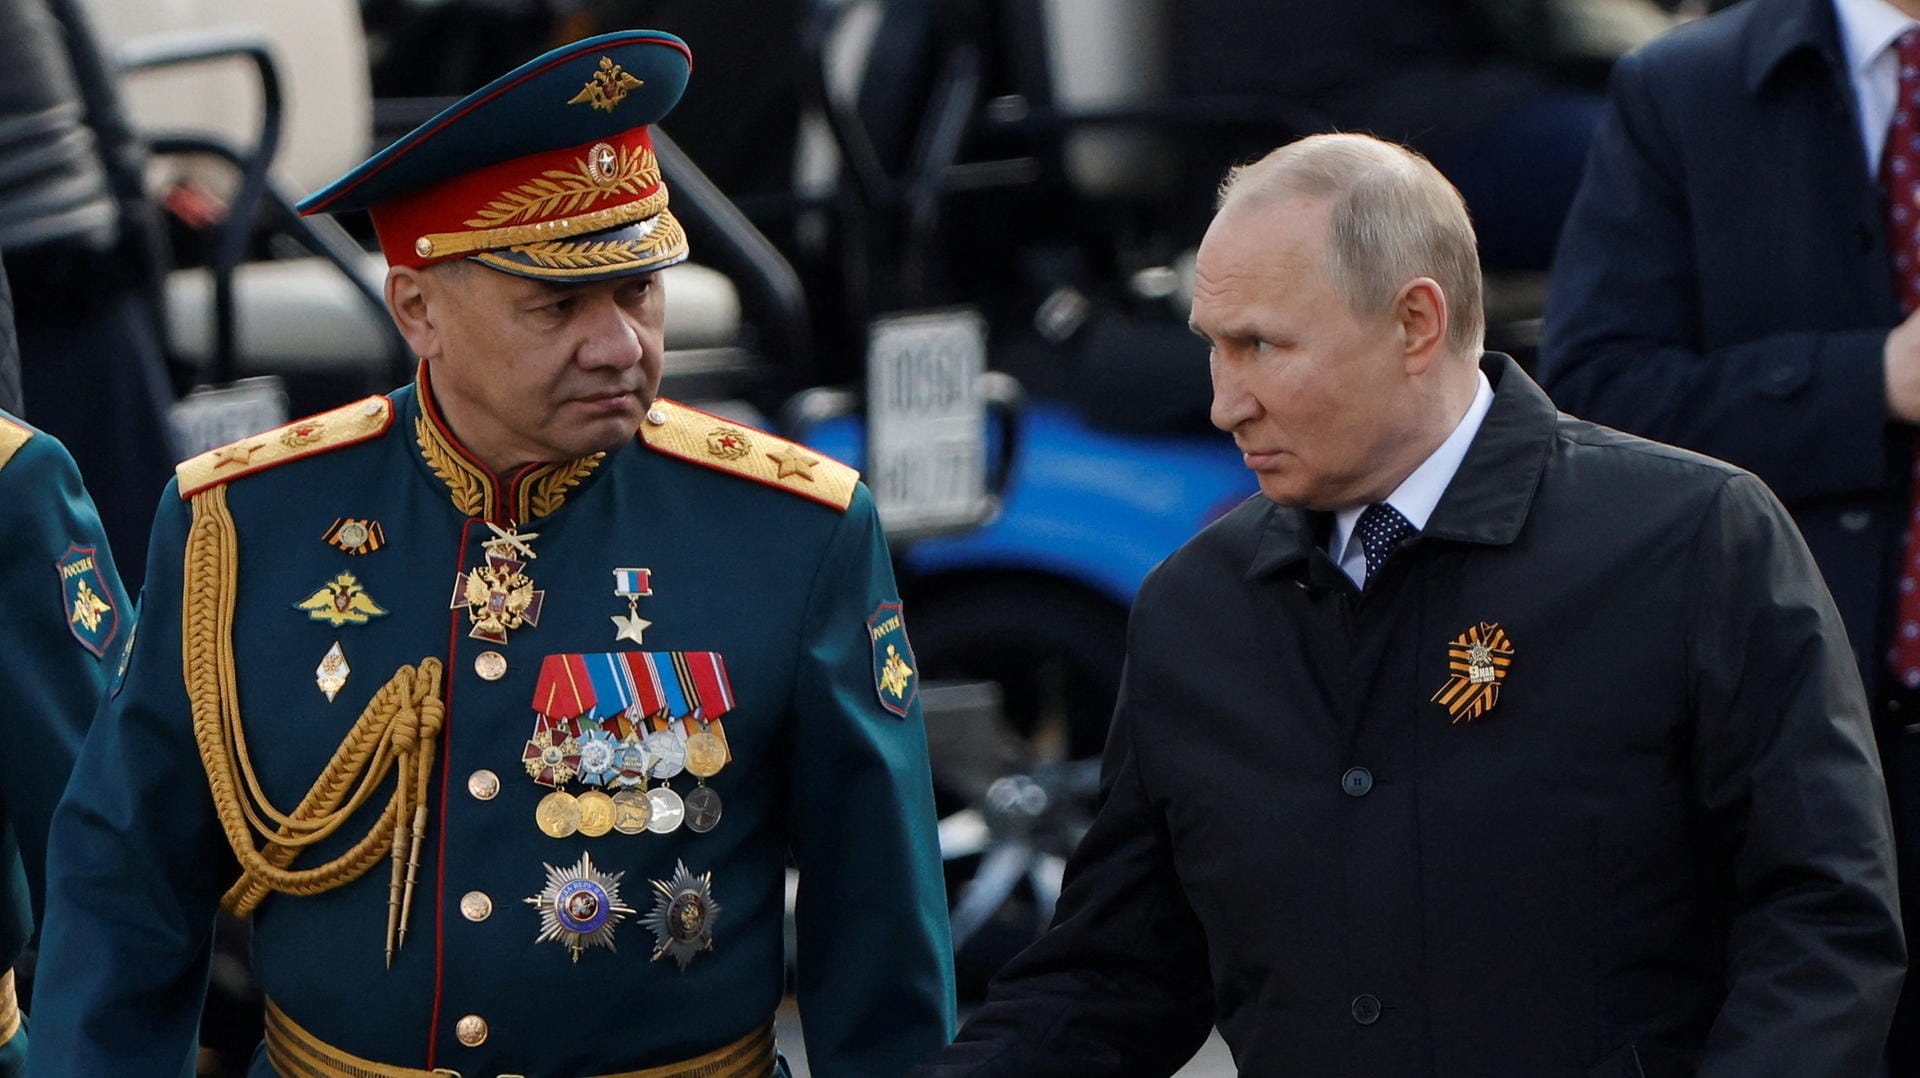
{"type": "Point", "coordinates": [682, 916]}
{"type": "Point", "coordinates": [90, 611]}
{"type": "Point", "coordinates": [341, 601]}
{"type": "Point", "coordinates": [893, 661]}
{"type": "Point", "coordinates": [1478, 660]}
{"type": "Point", "coordinates": [579, 906]}
{"type": "Point", "coordinates": [499, 595]}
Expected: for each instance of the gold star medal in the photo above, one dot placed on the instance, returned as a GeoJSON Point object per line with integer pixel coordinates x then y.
{"type": "Point", "coordinates": [579, 906]}
{"type": "Point", "coordinates": [1478, 660]}
{"type": "Point", "coordinates": [631, 585]}
{"type": "Point", "coordinates": [499, 595]}
{"type": "Point", "coordinates": [682, 916]}
{"type": "Point", "coordinates": [341, 601]}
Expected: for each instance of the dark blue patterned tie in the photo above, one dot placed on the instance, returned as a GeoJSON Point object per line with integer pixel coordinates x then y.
{"type": "Point", "coordinates": [1382, 529]}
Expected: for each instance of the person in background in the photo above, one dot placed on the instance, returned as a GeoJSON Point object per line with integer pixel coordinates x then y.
{"type": "Point", "coordinates": [66, 627]}
{"type": "Point", "coordinates": [1740, 275]}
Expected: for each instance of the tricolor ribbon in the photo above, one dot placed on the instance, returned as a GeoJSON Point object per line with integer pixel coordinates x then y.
{"type": "Point", "coordinates": [1478, 660]}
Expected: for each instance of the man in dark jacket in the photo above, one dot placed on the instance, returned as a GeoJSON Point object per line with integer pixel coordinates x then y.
{"type": "Point", "coordinates": [1727, 283]}
{"type": "Point", "coordinates": [1488, 743]}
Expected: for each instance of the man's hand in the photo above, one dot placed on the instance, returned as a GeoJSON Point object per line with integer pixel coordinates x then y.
{"type": "Point", "coordinates": [1903, 370]}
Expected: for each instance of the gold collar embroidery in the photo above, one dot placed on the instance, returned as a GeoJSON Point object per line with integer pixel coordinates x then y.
{"type": "Point", "coordinates": [533, 492]}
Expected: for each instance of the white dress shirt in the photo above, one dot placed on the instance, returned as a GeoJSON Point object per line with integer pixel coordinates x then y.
{"type": "Point", "coordinates": [1418, 493]}
{"type": "Point", "coordinates": [1868, 29]}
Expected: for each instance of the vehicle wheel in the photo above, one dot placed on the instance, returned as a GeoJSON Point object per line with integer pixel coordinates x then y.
{"type": "Point", "coordinates": [1019, 678]}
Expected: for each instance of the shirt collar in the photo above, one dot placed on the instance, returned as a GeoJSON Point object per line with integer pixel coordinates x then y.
{"type": "Point", "coordinates": [1488, 499]}
{"type": "Point", "coordinates": [1867, 29]}
{"type": "Point", "coordinates": [1420, 491]}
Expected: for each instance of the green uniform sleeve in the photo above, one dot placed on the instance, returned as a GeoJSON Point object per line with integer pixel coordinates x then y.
{"type": "Point", "coordinates": [54, 670]}
{"type": "Point", "coordinates": [138, 865]}
{"type": "Point", "coordinates": [875, 966]}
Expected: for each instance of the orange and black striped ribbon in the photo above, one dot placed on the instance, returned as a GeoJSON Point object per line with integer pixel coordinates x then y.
{"type": "Point", "coordinates": [1469, 694]}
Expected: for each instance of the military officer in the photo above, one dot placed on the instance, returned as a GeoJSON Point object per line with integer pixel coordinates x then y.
{"type": "Point", "coordinates": [502, 701]}
{"type": "Point", "coordinates": [61, 637]}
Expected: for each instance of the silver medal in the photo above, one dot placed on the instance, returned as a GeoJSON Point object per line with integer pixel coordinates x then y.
{"type": "Point", "coordinates": [668, 810]}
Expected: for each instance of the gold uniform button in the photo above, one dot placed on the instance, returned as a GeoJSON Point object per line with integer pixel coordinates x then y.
{"type": "Point", "coordinates": [476, 906]}
{"type": "Point", "coordinates": [484, 785]}
{"type": "Point", "coordinates": [471, 1030]}
{"type": "Point", "coordinates": [490, 665]}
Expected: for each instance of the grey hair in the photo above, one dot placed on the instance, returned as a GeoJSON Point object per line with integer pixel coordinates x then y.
{"type": "Point", "coordinates": [1394, 217]}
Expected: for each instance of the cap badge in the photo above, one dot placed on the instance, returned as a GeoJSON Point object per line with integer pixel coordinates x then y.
{"type": "Point", "coordinates": [608, 87]}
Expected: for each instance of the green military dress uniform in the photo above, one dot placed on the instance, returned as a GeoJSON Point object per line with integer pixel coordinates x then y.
{"type": "Point", "coordinates": [65, 623]}
{"type": "Point", "coordinates": [508, 768]}
{"type": "Point", "coordinates": [824, 765]}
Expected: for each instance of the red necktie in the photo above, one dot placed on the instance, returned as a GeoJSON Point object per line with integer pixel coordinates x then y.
{"type": "Point", "coordinates": [1900, 178]}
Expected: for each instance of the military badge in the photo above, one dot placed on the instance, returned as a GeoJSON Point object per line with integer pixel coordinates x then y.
{"type": "Point", "coordinates": [1478, 659]}
{"type": "Point", "coordinates": [682, 916]}
{"type": "Point", "coordinates": [552, 756]}
{"type": "Point", "coordinates": [893, 673]}
{"type": "Point", "coordinates": [579, 906]}
{"type": "Point", "coordinates": [609, 86]}
{"type": "Point", "coordinates": [356, 536]}
{"type": "Point", "coordinates": [91, 615]}
{"type": "Point", "coordinates": [499, 595]}
{"type": "Point", "coordinates": [728, 443]}
{"type": "Point", "coordinates": [631, 585]}
{"type": "Point", "coordinates": [341, 601]}
{"type": "Point", "coordinates": [331, 674]}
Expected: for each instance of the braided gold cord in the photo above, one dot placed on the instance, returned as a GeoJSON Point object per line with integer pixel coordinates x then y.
{"type": "Point", "coordinates": [395, 733]}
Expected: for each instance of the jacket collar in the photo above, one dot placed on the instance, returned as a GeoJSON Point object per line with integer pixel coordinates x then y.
{"type": "Point", "coordinates": [529, 493]}
{"type": "Point", "coordinates": [1488, 498]}
{"type": "Point", "coordinates": [1778, 29]}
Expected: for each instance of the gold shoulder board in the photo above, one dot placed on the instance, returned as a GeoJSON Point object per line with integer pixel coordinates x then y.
{"type": "Point", "coordinates": [12, 436]}
{"type": "Point", "coordinates": [723, 445]}
{"type": "Point", "coordinates": [346, 425]}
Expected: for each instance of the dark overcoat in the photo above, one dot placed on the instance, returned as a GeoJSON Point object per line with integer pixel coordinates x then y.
{"type": "Point", "coordinates": [1662, 849]}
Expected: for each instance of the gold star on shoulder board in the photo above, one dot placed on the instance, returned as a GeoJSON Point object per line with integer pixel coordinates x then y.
{"type": "Point", "coordinates": [792, 462]}
{"type": "Point", "coordinates": [233, 454]}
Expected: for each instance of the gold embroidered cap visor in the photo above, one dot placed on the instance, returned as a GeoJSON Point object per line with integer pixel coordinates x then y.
{"type": "Point", "coordinates": [546, 172]}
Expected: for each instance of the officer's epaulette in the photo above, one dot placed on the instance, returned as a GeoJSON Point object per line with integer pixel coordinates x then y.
{"type": "Point", "coordinates": [13, 435]}
{"type": "Point", "coordinates": [723, 445]}
{"type": "Point", "coordinates": [346, 425]}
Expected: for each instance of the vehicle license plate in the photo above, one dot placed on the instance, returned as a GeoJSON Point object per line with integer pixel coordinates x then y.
{"type": "Point", "coordinates": [215, 415]}
{"type": "Point", "coordinates": [926, 422]}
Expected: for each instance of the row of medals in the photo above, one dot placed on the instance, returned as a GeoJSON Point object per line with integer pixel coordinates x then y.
{"type": "Point", "coordinates": [637, 807]}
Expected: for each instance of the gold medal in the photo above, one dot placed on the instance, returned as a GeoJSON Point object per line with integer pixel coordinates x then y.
{"type": "Point", "coordinates": [631, 811]}
{"type": "Point", "coordinates": [706, 753]}
{"type": "Point", "coordinates": [558, 814]}
{"type": "Point", "coordinates": [596, 813]}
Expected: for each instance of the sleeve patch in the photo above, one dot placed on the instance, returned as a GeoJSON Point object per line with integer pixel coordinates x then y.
{"type": "Point", "coordinates": [91, 614]}
{"type": "Point", "coordinates": [894, 678]}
